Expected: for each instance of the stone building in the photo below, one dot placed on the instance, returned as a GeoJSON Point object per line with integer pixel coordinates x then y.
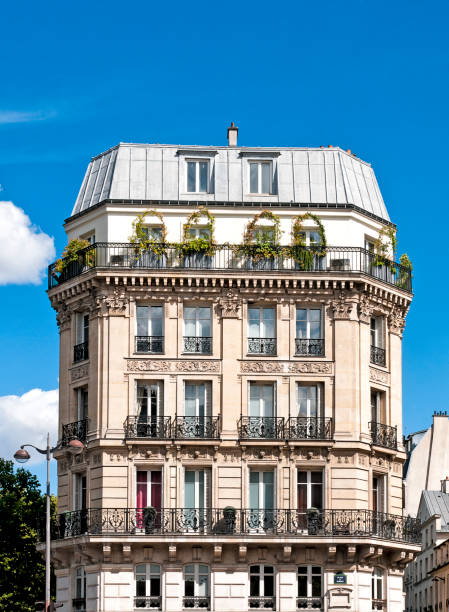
{"type": "Point", "coordinates": [232, 359]}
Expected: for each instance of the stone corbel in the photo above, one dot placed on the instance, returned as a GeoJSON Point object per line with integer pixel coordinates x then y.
{"type": "Point", "coordinates": [365, 309]}
{"type": "Point", "coordinates": [218, 550]}
{"type": "Point", "coordinates": [331, 554]}
{"type": "Point", "coordinates": [114, 304]}
{"type": "Point", "coordinates": [286, 553]}
{"type": "Point", "coordinates": [399, 558]}
{"type": "Point", "coordinates": [230, 305]}
{"type": "Point", "coordinates": [379, 551]}
{"type": "Point", "coordinates": [127, 553]}
{"type": "Point", "coordinates": [341, 308]}
{"type": "Point", "coordinates": [350, 553]}
{"type": "Point", "coordinates": [107, 553]}
{"type": "Point", "coordinates": [396, 321]}
{"type": "Point", "coordinates": [367, 552]}
{"type": "Point", "coordinates": [242, 554]}
{"type": "Point", "coordinates": [172, 554]}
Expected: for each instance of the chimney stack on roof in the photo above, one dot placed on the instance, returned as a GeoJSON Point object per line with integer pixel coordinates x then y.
{"type": "Point", "coordinates": [232, 135]}
{"type": "Point", "coordinates": [445, 485]}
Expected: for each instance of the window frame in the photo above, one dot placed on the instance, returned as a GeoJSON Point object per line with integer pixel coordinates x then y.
{"type": "Point", "coordinates": [149, 320]}
{"type": "Point", "coordinates": [377, 576]}
{"type": "Point", "coordinates": [259, 163]}
{"type": "Point", "coordinates": [148, 577]}
{"type": "Point", "coordinates": [81, 328]}
{"type": "Point", "coordinates": [319, 408]}
{"type": "Point", "coordinates": [82, 402]}
{"type": "Point", "coordinates": [197, 162]}
{"type": "Point", "coordinates": [309, 487]}
{"type": "Point", "coordinates": [261, 575]}
{"type": "Point", "coordinates": [262, 470]}
{"type": "Point", "coordinates": [308, 321]}
{"type": "Point", "coordinates": [80, 491]}
{"type": "Point", "coordinates": [309, 576]}
{"type": "Point", "coordinates": [197, 320]}
{"type": "Point", "coordinates": [81, 582]}
{"type": "Point", "coordinates": [196, 576]}
{"type": "Point", "coordinates": [148, 384]}
{"type": "Point", "coordinates": [377, 332]}
{"type": "Point", "coordinates": [261, 322]}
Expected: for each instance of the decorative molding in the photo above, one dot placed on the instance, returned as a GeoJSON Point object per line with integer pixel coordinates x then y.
{"type": "Point", "coordinates": [341, 308]}
{"type": "Point", "coordinates": [262, 367]}
{"type": "Point", "coordinates": [176, 366]}
{"type": "Point", "coordinates": [63, 317]}
{"type": "Point", "coordinates": [365, 309]}
{"type": "Point", "coordinates": [379, 376]}
{"type": "Point", "coordinates": [113, 304]}
{"type": "Point", "coordinates": [396, 321]}
{"type": "Point", "coordinates": [230, 305]}
{"type": "Point", "coordinates": [81, 371]}
{"type": "Point", "coordinates": [286, 367]}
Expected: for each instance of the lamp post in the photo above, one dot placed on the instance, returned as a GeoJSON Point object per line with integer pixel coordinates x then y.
{"type": "Point", "coordinates": [75, 447]}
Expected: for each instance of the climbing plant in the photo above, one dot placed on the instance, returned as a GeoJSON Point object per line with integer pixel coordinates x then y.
{"type": "Point", "coordinates": [200, 244]}
{"type": "Point", "coordinates": [140, 238]}
{"type": "Point", "coordinates": [305, 257]}
{"type": "Point", "coordinates": [405, 270]}
{"type": "Point", "coordinates": [257, 244]}
{"type": "Point", "coordinates": [72, 252]}
{"type": "Point", "coordinates": [385, 246]}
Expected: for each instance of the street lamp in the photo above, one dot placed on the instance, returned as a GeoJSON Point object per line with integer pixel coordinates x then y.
{"type": "Point", "coordinates": [75, 447]}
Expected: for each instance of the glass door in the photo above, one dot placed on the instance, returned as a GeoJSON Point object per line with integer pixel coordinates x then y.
{"type": "Point", "coordinates": [261, 421]}
{"type": "Point", "coordinates": [261, 500]}
{"type": "Point", "coordinates": [149, 409]}
{"type": "Point", "coordinates": [148, 499]}
{"type": "Point", "coordinates": [197, 498]}
{"type": "Point", "coordinates": [197, 410]}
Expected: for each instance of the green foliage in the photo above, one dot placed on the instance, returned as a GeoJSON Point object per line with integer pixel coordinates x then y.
{"type": "Point", "coordinates": [250, 235]}
{"type": "Point", "coordinates": [405, 270]}
{"type": "Point", "coordinates": [140, 238]}
{"type": "Point", "coordinates": [194, 219]}
{"type": "Point", "coordinates": [305, 256]}
{"type": "Point", "coordinates": [72, 252]}
{"type": "Point", "coordinates": [198, 245]}
{"type": "Point", "coordinates": [385, 247]}
{"type": "Point", "coordinates": [22, 568]}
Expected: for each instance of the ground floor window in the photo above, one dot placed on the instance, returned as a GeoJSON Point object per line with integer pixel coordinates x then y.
{"type": "Point", "coordinates": [261, 587]}
{"type": "Point", "coordinates": [79, 601]}
{"type": "Point", "coordinates": [148, 586]}
{"type": "Point", "coordinates": [196, 586]}
{"type": "Point", "coordinates": [377, 589]}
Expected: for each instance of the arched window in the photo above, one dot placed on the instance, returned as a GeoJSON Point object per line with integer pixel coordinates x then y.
{"type": "Point", "coordinates": [148, 586]}
{"type": "Point", "coordinates": [377, 589]}
{"type": "Point", "coordinates": [196, 586]}
{"type": "Point", "coordinates": [310, 587]}
{"type": "Point", "coordinates": [261, 587]}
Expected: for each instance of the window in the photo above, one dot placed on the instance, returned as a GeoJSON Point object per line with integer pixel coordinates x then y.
{"type": "Point", "coordinates": [199, 232]}
{"type": "Point", "coordinates": [377, 406]}
{"type": "Point", "coordinates": [379, 500]}
{"type": "Point", "coordinates": [81, 349]}
{"type": "Point", "coordinates": [310, 490]}
{"type": "Point", "coordinates": [377, 351]}
{"type": "Point", "coordinates": [196, 585]}
{"type": "Point", "coordinates": [197, 401]}
{"type": "Point", "coordinates": [308, 323]}
{"type": "Point", "coordinates": [90, 237]}
{"type": "Point", "coordinates": [261, 489]}
{"type": "Point", "coordinates": [153, 232]}
{"type": "Point", "coordinates": [310, 585]}
{"type": "Point", "coordinates": [261, 587]}
{"type": "Point", "coordinates": [149, 489]}
{"type": "Point", "coordinates": [150, 400]}
{"type": "Point", "coordinates": [148, 586]}
{"type": "Point", "coordinates": [82, 403]}
{"type": "Point", "coordinates": [79, 491]}
{"type": "Point", "coordinates": [197, 329]}
{"type": "Point", "coordinates": [309, 400]}
{"type": "Point", "coordinates": [264, 234]}
{"type": "Point", "coordinates": [377, 589]}
{"type": "Point", "coordinates": [79, 601]}
{"type": "Point", "coordinates": [197, 489]}
{"type": "Point", "coordinates": [150, 324]}
{"type": "Point", "coordinates": [197, 176]}
{"type": "Point", "coordinates": [261, 330]}
{"type": "Point", "coordinates": [310, 238]}
{"type": "Point", "coordinates": [260, 177]}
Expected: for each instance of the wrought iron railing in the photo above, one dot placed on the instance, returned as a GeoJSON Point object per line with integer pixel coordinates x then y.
{"type": "Point", "coordinates": [81, 351]}
{"type": "Point", "coordinates": [149, 344]}
{"type": "Point", "coordinates": [78, 429]}
{"type": "Point", "coordinates": [330, 260]}
{"type": "Point", "coordinates": [196, 603]}
{"type": "Point", "coordinates": [384, 435]}
{"type": "Point", "coordinates": [262, 603]}
{"type": "Point", "coordinates": [309, 347]}
{"type": "Point", "coordinates": [309, 603]}
{"type": "Point", "coordinates": [379, 604]}
{"type": "Point", "coordinates": [377, 355]}
{"type": "Point", "coordinates": [262, 346]}
{"type": "Point", "coordinates": [79, 604]}
{"type": "Point", "coordinates": [196, 427]}
{"type": "Point", "coordinates": [231, 522]}
{"type": "Point", "coordinates": [156, 427]}
{"type": "Point", "coordinates": [308, 428]}
{"type": "Point", "coordinates": [150, 603]}
{"type": "Point", "coordinates": [198, 344]}
{"type": "Point", "coordinates": [261, 428]}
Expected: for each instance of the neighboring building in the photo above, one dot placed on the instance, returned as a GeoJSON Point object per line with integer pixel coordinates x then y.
{"type": "Point", "coordinates": [241, 405]}
{"type": "Point", "coordinates": [440, 575]}
{"type": "Point", "coordinates": [427, 461]}
{"type": "Point", "coordinates": [422, 589]}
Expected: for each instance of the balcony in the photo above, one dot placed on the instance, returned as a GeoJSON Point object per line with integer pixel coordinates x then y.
{"type": "Point", "coordinates": [309, 347]}
{"type": "Point", "coordinates": [198, 344]}
{"type": "Point", "coordinates": [262, 346]}
{"type": "Point", "coordinates": [377, 355]}
{"type": "Point", "coordinates": [262, 603]}
{"type": "Point", "coordinates": [80, 352]}
{"type": "Point", "coordinates": [78, 429]}
{"type": "Point", "coordinates": [261, 428]}
{"type": "Point", "coordinates": [149, 344]}
{"type": "Point", "coordinates": [379, 604]}
{"type": "Point", "coordinates": [236, 522]}
{"type": "Point", "coordinates": [196, 428]}
{"type": "Point", "coordinates": [309, 603]}
{"type": "Point", "coordinates": [148, 603]}
{"type": "Point", "coordinates": [338, 261]}
{"type": "Point", "coordinates": [384, 435]}
{"type": "Point", "coordinates": [79, 604]}
{"type": "Point", "coordinates": [196, 603]}
{"type": "Point", "coordinates": [308, 428]}
{"type": "Point", "coordinates": [156, 428]}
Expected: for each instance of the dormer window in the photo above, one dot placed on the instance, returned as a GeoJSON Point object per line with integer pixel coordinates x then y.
{"type": "Point", "coordinates": [198, 176]}
{"type": "Point", "coordinates": [260, 177]}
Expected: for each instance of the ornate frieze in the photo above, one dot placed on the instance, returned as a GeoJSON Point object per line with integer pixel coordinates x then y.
{"type": "Point", "coordinates": [230, 305]}
{"type": "Point", "coordinates": [81, 371]}
{"type": "Point", "coordinates": [341, 307]}
{"type": "Point", "coordinates": [181, 365]}
{"type": "Point", "coordinates": [286, 367]}
{"type": "Point", "coordinates": [379, 376]}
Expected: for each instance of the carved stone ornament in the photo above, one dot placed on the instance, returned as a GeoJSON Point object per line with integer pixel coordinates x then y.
{"type": "Point", "coordinates": [262, 367]}
{"type": "Point", "coordinates": [156, 365]}
{"type": "Point", "coordinates": [113, 304]}
{"type": "Point", "coordinates": [230, 304]}
{"type": "Point", "coordinates": [286, 367]}
{"type": "Point", "coordinates": [379, 376]}
{"type": "Point", "coordinates": [341, 308]}
{"type": "Point", "coordinates": [396, 321]}
{"type": "Point", "coordinates": [365, 309]}
{"type": "Point", "coordinates": [64, 317]}
{"type": "Point", "coordinates": [79, 372]}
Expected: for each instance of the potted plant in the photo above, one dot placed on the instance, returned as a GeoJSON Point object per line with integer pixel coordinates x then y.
{"type": "Point", "coordinates": [198, 245]}
{"type": "Point", "coordinates": [72, 253]}
{"type": "Point", "coordinates": [149, 518]}
{"type": "Point", "coordinates": [150, 246]}
{"type": "Point", "coordinates": [230, 514]}
{"type": "Point", "coordinates": [307, 257]}
{"type": "Point", "coordinates": [313, 519]}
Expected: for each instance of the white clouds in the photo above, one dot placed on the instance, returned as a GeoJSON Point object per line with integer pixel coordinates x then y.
{"type": "Point", "coordinates": [25, 251]}
{"type": "Point", "coordinates": [8, 116]}
{"type": "Point", "coordinates": [26, 419]}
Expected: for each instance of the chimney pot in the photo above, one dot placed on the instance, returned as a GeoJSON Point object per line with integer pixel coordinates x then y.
{"type": "Point", "coordinates": [232, 135]}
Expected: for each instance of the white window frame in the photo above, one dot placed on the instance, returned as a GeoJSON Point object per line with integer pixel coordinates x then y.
{"type": "Point", "coordinates": [78, 491]}
{"type": "Point", "coordinates": [308, 321]}
{"type": "Point", "coordinates": [261, 575]}
{"type": "Point", "coordinates": [309, 486]}
{"type": "Point", "coordinates": [260, 495]}
{"type": "Point", "coordinates": [196, 230]}
{"type": "Point", "coordinates": [196, 576]}
{"type": "Point", "coordinates": [377, 334]}
{"type": "Point", "coordinates": [148, 470]}
{"type": "Point", "coordinates": [149, 320]}
{"type": "Point", "coordinates": [261, 383]}
{"type": "Point", "coordinates": [306, 235]}
{"type": "Point", "coordinates": [148, 384]}
{"type": "Point", "coordinates": [149, 228]}
{"type": "Point", "coordinates": [261, 324]}
{"type": "Point", "coordinates": [81, 580]}
{"type": "Point", "coordinates": [309, 574]}
{"type": "Point", "coordinates": [81, 330]}
{"type": "Point", "coordinates": [377, 577]}
{"type": "Point", "coordinates": [319, 399]}
{"type": "Point", "coordinates": [259, 164]}
{"type": "Point", "coordinates": [207, 384]}
{"type": "Point", "coordinates": [197, 163]}
{"type": "Point", "coordinates": [381, 478]}
{"type": "Point", "coordinates": [207, 491]}
{"type": "Point", "coordinates": [80, 402]}
{"type": "Point", "coordinates": [148, 576]}
{"type": "Point", "coordinates": [197, 320]}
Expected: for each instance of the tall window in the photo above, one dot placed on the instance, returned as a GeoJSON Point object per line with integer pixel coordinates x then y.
{"type": "Point", "coordinates": [197, 176]}
{"type": "Point", "coordinates": [377, 354]}
{"type": "Point", "coordinates": [150, 400]}
{"type": "Point", "coordinates": [377, 406]}
{"type": "Point", "coordinates": [310, 584]}
{"type": "Point", "coordinates": [196, 584]}
{"type": "Point", "coordinates": [79, 602]}
{"type": "Point", "coordinates": [81, 349]}
{"type": "Point", "coordinates": [308, 323]}
{"type": "Point", "coordinates": [261, 489]}
{"type": "Point", "coordinates": [79, 491]}
{"type": "Point", "coordinates": [197, 422]}
{"type": "Point", "coordinates": [377, 589]}
{"type": "Point", "coordinates": [197, 489]}
{"type": "Point", "coordinates": [149, 489]}
{"type": "Point", "coordinates": [197, 329]}
{"type": "Point", "coordinates": [379, 501]}
{"type": "Point", "coordinates": [148, 586]}
{"type": "Point", "coordinates": [150, 325]}
{"type": "Point", "coordinates": [261, 330]}
{"type": "Point", "coordinates": [261, 399]}
{"type": "Point", "coordinates": [309, 400]}
{"type": "Point", "coordinates": [310, 490]}
{"type": "Point", "coordinates": [260, 177]}
{"type": "Point", "coordinates": [261, 587]}
{"type": "Point", "coordinates": [82, 403]}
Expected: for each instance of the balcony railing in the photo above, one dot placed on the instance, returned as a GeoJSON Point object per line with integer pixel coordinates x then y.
{"type": "Point", "coordinates": [78, 429]}
{"type": "Point", "coordinates": [377, 355]}
{"type": "Point", "coordinates": [196, 427]}
{"type": "Point", "coordinates": [334, 261]}
{"type": "Point", "coordinates": [379, 604]}
{"type": "Point", "coordinates": [262, 603]}
{"type": "Point", "coordinates": [234, 522]}
{"type": "Point", "coordinates": [156, 427]}
{"type": "Point", "coordinates": [149, 344]}
{"type": "Point", "coordinates": [308, 428]}
{"type": "Point", "coordinates": [149, 603]}
{"type": "Point", "coordinates": [384, 435]}
{"type": "Point", "coordinates": [309, 347]}
{"type": "Point", "coordinates": [79, 604]}
{"type": "Point", "coordinates": [262, 346]}
{"type": "Point", "coordinates": [261, 428]}
{"type": "Point", "coordinates": [198, 344]}
{"type": "Point", "coordinates": [309, 603]}
{"type": "Point", "coordinates": [196, 603]}
{"type": "Point", "coordinates": [81, 351]}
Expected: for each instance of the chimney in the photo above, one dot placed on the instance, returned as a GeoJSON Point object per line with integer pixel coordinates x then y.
{"type": "Point", "coordinates": [445, 485]}
{"type": "Point", "coordinates": [232, 135]}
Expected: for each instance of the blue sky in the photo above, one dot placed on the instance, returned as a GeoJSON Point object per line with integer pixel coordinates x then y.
{"type": "Point", "coordinates": [370, 76]}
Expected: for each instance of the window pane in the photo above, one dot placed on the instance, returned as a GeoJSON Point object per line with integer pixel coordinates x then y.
{"type": "Point", "coordinates": [155, 233]}
{"type": "Point", "coordinates": [314, 238]}
{"type": "Point", "coordinates": [140, 569]}
{"type": "Point", "coordinates": [204, 232]}
{"type": "Point", "coordinates": [266, 178]}
{"type": "Point", "coordinates": [191, 176]}
{"type": "Point", "coordinates": [253, 178]}
{"type": "Point", "coordinates": [203, 176]}
{"type": "Point", "coordinates": [315, 314]}
{"type": "Point", "coordinates": [189, 587]}
{"type": "Point", "coordinates": [302, 585]}
{"type": "Point", "coordinates": [140, 586]}
{"type": "Point", "coordinates": [155, 569]}
{"type": "Point", "coordinates": [155, 587]}
{"type": "Point", "coordinates": [315, 330]}
{"type": "Point", "coordinates": [269, 586]}
{"type": "Point", "coordinates": [301, 314]}
{"type": "Point", "coordinates": [189, 569]}
{"type": "Point", "coordinates": [301, 329]}
{"type": "Point", "coordinates": [254, 586]}
{"type": "Point", "coordinates": [204, 569]}
{"type": "Point", "coordinates": [316, 586]}
{"type": "Point", "coordinates": [203, 586]}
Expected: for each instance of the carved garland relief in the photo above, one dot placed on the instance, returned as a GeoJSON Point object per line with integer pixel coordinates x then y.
{"type": "Point", "coordinates": [156, 365]}
{"type": "Point", "coordinates": [286, 367]}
